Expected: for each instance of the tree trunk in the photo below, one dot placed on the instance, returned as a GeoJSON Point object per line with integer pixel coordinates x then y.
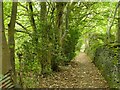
{"type": "Point", "coordinates": [11, 41]}
{"type": "Point", "coordinates": [5, 55]}
{"type": "Point", "coordinates": [59, 20]}
{"type": "Point", "coordinates": [118, 30]}
{"type": "Point", "coordinates": [33, 24]}
{"type": "Point", "coordinates": [58, 35]}
{"type": "Point", "coordinates": [46, 55]}
{"type": "Point", "coordinates": [66, 23]}
{"type": "Point", "coordinates": [118, 36]}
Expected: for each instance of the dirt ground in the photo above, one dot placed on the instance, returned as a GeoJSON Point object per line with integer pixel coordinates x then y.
{"type": "Point", "coordinates": [80, 73]}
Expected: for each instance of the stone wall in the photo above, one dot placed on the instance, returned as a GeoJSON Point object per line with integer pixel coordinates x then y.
{"type": "Point", "coordinates": [107, 59]}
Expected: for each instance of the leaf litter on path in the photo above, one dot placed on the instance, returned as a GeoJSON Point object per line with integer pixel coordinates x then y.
{"type": "Point", "coordinates": [80, 73]}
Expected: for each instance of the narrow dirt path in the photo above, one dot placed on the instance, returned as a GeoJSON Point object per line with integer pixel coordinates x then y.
{"type": "Point", "coordinates": [81, 73]}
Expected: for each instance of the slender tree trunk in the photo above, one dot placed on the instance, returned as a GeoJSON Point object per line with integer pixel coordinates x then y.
{"type": "Point", "coordinates": [58, 35]}
{"type": "Point", "coordinates": [35, 33]}
{"type": "Point", "coordinates": [46, 55]}
{"type": "Point", "coordinates": [33, 24]}
{"type": "Point", "coordinates": [118, 30]}
{"type": "Point", "coordinates": [11, 41]}
{"type": "Point", "coordinates": [5, 58]}
{"type": "Point", "coordinates": [59, 20]}
{"type": "Point", "coordinates": [118, 38]}
{"type": "Point", "coordinates": [108, 32]}
{"type": "Point", "coordinates": [32, 20]}
{"type": "Point", "coordinates": [1, 9]}
{"type": "Point", "coordinates": [66, 23]}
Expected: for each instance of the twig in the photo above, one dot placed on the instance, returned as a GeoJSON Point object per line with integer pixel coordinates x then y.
{"type": "Point", "coordinates": [112, 20]}
{"type": "Point", "coordinates": [21, 26]}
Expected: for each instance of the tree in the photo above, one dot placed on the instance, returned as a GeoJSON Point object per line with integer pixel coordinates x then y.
{"type": "Point", "coordinates": [46, 55]}
{"type": "Point", "coordinates": [1, 29]}
{"type": "Point", "coordinates": [118, 30]}
{"type": "Point", "coordinates": [58, 33]}
{"type": "Point", "coordinates": [5, 58]}
{"type": "Point", "coordinates": [33, 24]}
{"type": "Point", "coordinates": [11, 31]}
{"type": "Point", "coordinates": [118, 37]}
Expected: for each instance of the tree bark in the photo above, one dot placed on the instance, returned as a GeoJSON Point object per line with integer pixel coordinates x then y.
{"type": "Point", "coordinates": [35, 33]}
{"type": "Point", "coordinates": [1, 37]}
{"type": "Point", "coordinates": [66, 22]}
{"type": "Point", "coordinates": [118, 37]}
{"type": "Point", "coordinates": [59, 20]}
{"type": "Point", "coordinates": [5, 55]}
{"type": "Point", "coordinates": [11, 41]}
{"type": "Point", "coordinates": [118, 30]}
{"type": "Point", "coordinates": [58, 35]}
{"type": "Point", "coordinates": [46, 54]}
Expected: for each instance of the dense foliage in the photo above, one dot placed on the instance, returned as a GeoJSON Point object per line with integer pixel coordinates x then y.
{"type": "Point", "coordinates": [50, 34]}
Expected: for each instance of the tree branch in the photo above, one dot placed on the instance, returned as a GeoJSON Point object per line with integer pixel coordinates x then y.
{"type": "Point", "coordinates": [23, 6]}
{"type": "Point", "coordinates": [23, 32]}
{"type": "Point", "coordinates": [109, 28]}
{"type": "Point", "coordinates": [21, 26]}
{"type": "Point", "coordinates": [26, 30]}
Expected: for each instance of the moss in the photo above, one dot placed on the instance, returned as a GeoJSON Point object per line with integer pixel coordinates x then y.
{"type": "Point", "coordinates": [107, 60]}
